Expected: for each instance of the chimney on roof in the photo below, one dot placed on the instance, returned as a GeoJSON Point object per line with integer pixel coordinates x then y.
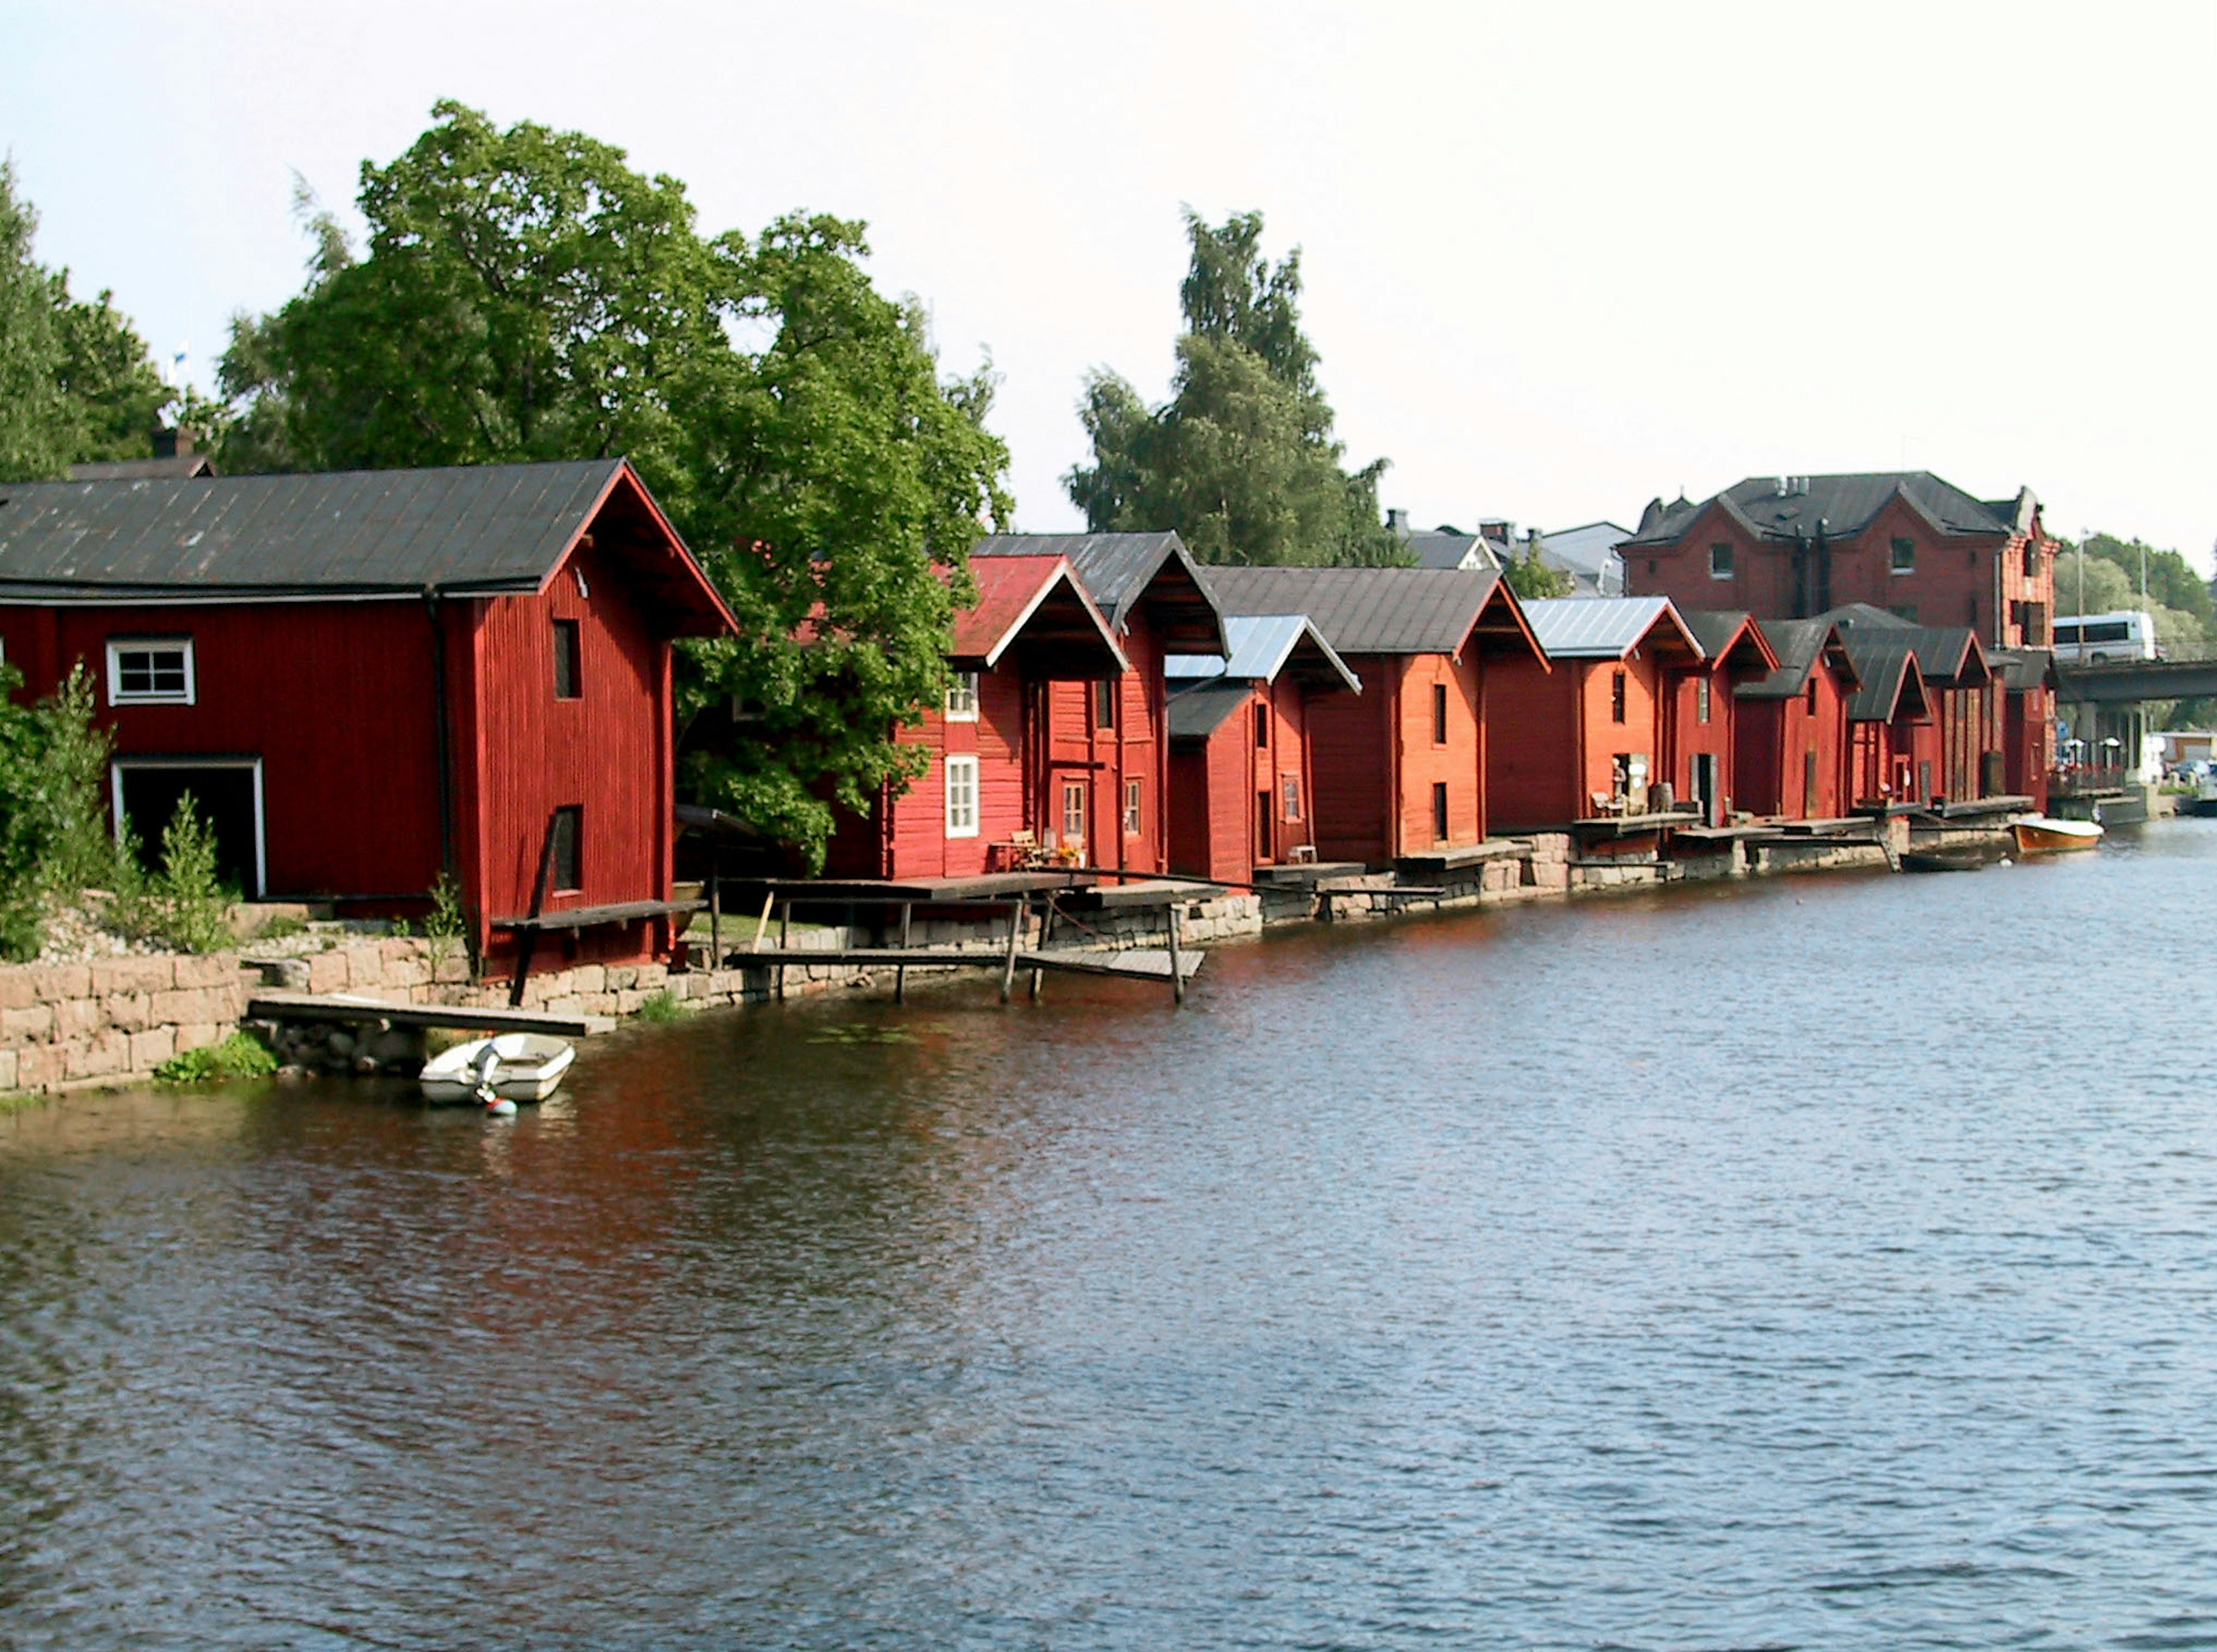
{"type": "Point", "coordinates": [172, 443]}
{"type": "Point", "coordinates": [1801, 484]}
{"type": "Point", "coordinates": [1496, 532]}
{"type": "Point", "coordinates": [1397, 522]}
{"type": "Point", "coordinates": [1782, 488]}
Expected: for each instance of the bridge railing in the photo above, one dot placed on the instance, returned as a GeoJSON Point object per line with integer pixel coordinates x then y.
{"type": "Point", "coordinates": [2076, 780]}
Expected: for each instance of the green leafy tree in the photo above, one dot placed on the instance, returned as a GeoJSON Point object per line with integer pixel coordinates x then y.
{"type": "Point", "coordinates": [1529, 577]}
{"type": "Point", "coordinates": [76, 381]}
{"type": "Point", "coordinates": [523, 294]}
{"type": "Point", "coordinates": [1241, 460]}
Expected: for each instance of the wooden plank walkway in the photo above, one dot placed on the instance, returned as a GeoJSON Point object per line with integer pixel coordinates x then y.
{"type": "Point", "coordinates": [1135, 963]}
{"type": "Point", "coordinates": [350, 1007]}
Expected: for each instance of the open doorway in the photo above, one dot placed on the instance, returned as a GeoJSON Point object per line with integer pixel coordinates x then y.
{"type": "Point", "coordinates": [227, 794]}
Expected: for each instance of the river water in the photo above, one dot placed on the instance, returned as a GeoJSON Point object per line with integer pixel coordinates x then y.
{"type": "Point", "coordinates": [1821, 1263]}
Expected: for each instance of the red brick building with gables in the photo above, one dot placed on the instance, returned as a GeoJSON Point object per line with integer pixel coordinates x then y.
{"type": "Point", "coordinates": [1792, 548]}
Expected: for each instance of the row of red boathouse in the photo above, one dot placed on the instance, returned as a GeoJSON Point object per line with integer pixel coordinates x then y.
{"type": "Point", "coordinates": [364, 678]}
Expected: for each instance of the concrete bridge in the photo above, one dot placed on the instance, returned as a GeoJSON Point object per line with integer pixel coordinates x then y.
{"type": "Point", "coordinates": [2126, 682]}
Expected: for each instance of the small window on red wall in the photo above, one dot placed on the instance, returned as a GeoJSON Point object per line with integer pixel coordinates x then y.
{"type": "Point", "coordinates": [1616, 698]}
{"type": "Point", "coordinates": [569, 849]}
{"type": "Point", "coordinates": [1439, 713]}
{"type": "Point", "coordinates": [1701, 699]}
{"type": "Point", "coordinates": [1262, 727]}
{"type": "Point", "coordinates": [1104, 704]}
{"type": "Point", "coordinates": [568, 675]}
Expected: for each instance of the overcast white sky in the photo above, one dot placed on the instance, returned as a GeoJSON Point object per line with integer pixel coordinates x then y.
{"type": "Point", "coordinates": [1558, 259]}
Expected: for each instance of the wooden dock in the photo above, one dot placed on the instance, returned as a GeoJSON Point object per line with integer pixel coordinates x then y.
{"type": "Point", "coordinates": [352, 1007]}
{"type": "Point", "coordinates": [1132, 964]}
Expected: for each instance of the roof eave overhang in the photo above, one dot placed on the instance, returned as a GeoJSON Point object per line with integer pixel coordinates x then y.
{"type": "Point", "coordinates": [1518, 629]}
{"type": "Point", "coordinates": [710, 616]}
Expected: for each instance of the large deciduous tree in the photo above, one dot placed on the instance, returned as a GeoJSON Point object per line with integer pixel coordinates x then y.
{"type": "Point", "coordinates": [1241, 460]}
{"type": "Point", "coordinates": [76, 381]}
{"type": "Point", "coordinates": [523, 294]}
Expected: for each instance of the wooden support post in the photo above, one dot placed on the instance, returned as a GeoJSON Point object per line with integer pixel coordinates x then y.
{"type": "Point", "coordinates": [715, 920]}
{"type": "Point", "coordinates": [528, 942]}
{"type": "Point", "coordinates": [763, 927]}
{"type": "Point", "coordinates": [1017, 914]}
{"type": "Point", "coordinates": [784, 932]}
{"type": "Point", "coordinates": [901, 973]}
{"type": "Point", "coordinates": [1046, 929]}
{"type": "Point", "coordinates": [1177, 966]}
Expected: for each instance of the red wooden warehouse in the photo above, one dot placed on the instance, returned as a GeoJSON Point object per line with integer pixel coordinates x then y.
{"type": "Point", "coordinates": [1107, 753]}
{"type": "Point", "coordinates": [1705, 711]}
{"type": "Point", "coordinates": [1890, 720]}
{"type": "Point", "coordinates": [363, 676]}
{"type": "Point", "coordinates": [1791, 748]}
{"type": "Point", "coordinates": [1242, 784]}
{"type": "Point", "coordinates": [992, 782]}
{"type": "Point", "coordinates": [1962, 755]}
{"type": "Point", "coordinates": [1596, 734]}
{"type": "Point", "coordinates": [1400, 768]}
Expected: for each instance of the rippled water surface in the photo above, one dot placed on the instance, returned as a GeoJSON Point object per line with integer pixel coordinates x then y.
{"type": "Point", "coordinates": [1823, 1264]}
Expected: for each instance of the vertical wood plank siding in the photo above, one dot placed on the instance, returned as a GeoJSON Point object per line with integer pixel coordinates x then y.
{"type": "Point", "coordinates": [604, 752]}
{"type": "Point", "coordinates": [335, 698]}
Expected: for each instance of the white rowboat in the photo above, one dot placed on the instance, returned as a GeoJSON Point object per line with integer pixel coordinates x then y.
{"type": "Point", "coordinates": [513, 1067]}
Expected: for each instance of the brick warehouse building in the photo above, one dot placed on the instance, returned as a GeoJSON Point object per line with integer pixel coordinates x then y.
{"type": "Point", "coordinates": [1907, 542]}
{"type": "Point", "coordinates": [1792, 548]}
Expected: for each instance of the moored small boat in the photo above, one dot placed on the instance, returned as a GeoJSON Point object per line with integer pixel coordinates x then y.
{"type": "Point", "coordinates": [513, 1067]}
{"type": "Point", "coordinates": [2045, 835]}
{"type": "Point", "coordinates": [1953, 857]}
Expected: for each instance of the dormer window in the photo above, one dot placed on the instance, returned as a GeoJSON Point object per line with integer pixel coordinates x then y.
{"type": "Point", "coordinates": [962, 697]}
{"type": "Point", "coordinates": [1903, 557]}
{"type": "Point", "coordinates": [149, 671]}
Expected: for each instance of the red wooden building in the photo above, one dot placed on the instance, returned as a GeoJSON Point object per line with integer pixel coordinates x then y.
{"type": "Point", "coordinates": [1400, 768]}
{"type": "Point", "coordinates": [363, 676]}
{"type": "Point", "coordinates": [2027, 693]}
{"type": "Point", "coordinates": [1596, 733]}
{"type": "Point", "coordinates": [1242, 782]}
{"type": "Point", "coordinates": [1792, 752]}
{"type": "Point", "coordinates": [1107, 750]}
{"type": "Point", "coordinates": [1705, 711]}
{"type": "Point", "coordinates": [1894, 737]}
{"type": "Point", "coordinates": [1963, 754]}
{"type": "Point", "coordinates": [992, 781]}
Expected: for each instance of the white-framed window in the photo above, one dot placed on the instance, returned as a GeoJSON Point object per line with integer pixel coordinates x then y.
{"type": "Point", "coordinates": [962, 697]}
{"type": "Point", "coordinates": [1289, 784]}
{"type": "Point", "coordinates": [961, 797]}
{"type": "Point", "coordinates": [1131, 807]}
{"type": "Point", "coordinates": [149, 671]}
{"type": "Point", "coordinates": [1720, 562]}
{"type": "Point", "coordinates": [1901, 556]}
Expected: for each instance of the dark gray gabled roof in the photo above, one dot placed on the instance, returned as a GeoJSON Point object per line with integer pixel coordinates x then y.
{"type": "Point", "coordinates": [1116, 569]}
{"type": "Point", "coordinates": [1888, 665]}
{"type": "Point", "coordinates": [1845, 504]}
{"type": "Point", "coordinates": [1948, 654]}
{"type": "Point", "coordinates": [2022, 667]}
{"type": "Point", "coordinates": [1799, 643]}
{"type": "Point", "coordinates": [1197, 712]}
{"type": "Point", "coordinates": [477, 528]}
{"type": "Point", "coordinates": [1370, 610]}
{"type": "Point", "coordinates": [468, 531]}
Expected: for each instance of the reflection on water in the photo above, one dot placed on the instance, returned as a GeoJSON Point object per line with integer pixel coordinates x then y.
{"type": "Point", "coordinates": [1821, 1263]}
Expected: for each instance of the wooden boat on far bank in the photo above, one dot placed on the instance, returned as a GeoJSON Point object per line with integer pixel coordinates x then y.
{"type": "Point", "coordinates": [2046, 835]}
{"type": "Point", "coordinates": [1955, 857]}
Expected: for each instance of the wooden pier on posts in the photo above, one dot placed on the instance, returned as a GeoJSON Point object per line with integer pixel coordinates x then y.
{"type": "Point", "coordinates": [1018, 894]}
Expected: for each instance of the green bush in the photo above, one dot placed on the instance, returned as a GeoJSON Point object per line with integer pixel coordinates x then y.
{"type": "Point", "coordinates": [236, 1057]}
{"type": "Point", "coordinates": [661, 1006]}
{"type": "Point", "coordinates": [54, 838]}
{"type": "Point", "coordinates": [184, 905]}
